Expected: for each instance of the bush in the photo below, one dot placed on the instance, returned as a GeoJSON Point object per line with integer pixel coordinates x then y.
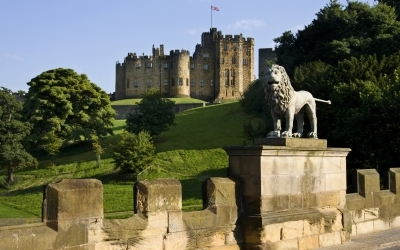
{"type": "Point", "coordinates": [134, 153]}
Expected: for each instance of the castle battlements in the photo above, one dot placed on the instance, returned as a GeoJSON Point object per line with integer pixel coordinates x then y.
{"type": "Point", "coordinates": [185, 75]}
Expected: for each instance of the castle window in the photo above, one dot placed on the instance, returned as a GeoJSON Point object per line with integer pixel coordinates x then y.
{"type": "Point", "coordinates": [233, 60]}
{"type": "Point", "coordinates": [222, 60]}
{"type": "Point", "coordinates": [127, 84]}
{"type": "Point", "coordinates": [192, 83]}
{"type": "Point", "coordinates": [206, 55]}
{"type": "Point", "coordinates": [149, 83]}
{"type": "Point", "coordinates": [232, 82]}
{"type": "Point", "coordinates": [201, 83]}
{"type": "Point", "coordinates": [225, 47]}
{"type": "Point", "coordinates": [136, 83]}
{"type": "Point", "coordinates": [165, 82]}
{"type": "Point", "coordinates": [205, 66]}
{"type": "Point", "coordinates": [211, 83]}
{"type": "Point", "coordinates": [232, 73]}
{"type": "Point", "coordinates": [165, 65]}
{"type": "Point", "coordinates": [180, 81]}
{"type": "Point", "coordinates": [200, 93]}
{"type": "Point", "coordinates": [172, 82]}
{"type": "Point", "coordinates": [187, 82]}
{"type": "Point", "coordinates": [149, 65]}
{"type": "Point", "coordinates": [233, 93]}
{"type": "Point", "coordinates": [192, 66]}
{"type": "Point", "coordinates": [234, 47]}
{"type": "Point", "coordinates": [138, 65]}
{"type": "Point", "coordinates": [226, 82]}
{"type": "Point", "coordinates": [227, 72]}
{"type": "Point", "coordinates": [245, 61]}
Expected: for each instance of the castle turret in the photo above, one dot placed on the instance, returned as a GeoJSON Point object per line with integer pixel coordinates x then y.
{"type": "Point", "coordinates": [180, 74]}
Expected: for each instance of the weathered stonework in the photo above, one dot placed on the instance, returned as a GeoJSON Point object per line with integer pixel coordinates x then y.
{"type": "Point", "coordinates": [221, 68]}
{"type": "Point", "coordinates": [293, 194]}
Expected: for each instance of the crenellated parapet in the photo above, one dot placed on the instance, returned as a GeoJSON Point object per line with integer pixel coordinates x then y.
{"type": "Point", "coordinates": [373, 209]}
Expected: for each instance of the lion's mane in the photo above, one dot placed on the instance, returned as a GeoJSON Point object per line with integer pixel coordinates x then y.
{"type": "Point", "coordinates": [278, 99]}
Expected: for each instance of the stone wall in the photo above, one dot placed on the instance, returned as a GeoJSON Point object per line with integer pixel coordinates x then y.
{"type": "Point", "coordinates": [73, 219]}
{"type": "Point", "coordinates": [373, 209]}
{"type": "Point", "coordinates": [122, 111]}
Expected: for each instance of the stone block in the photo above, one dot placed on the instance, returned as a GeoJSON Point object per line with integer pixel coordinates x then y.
{"type": "Point", "coordinates": [245, 165]}
{"type": "Point", "coordinates": [394, 180]}
{"type": "Point", "coordinates": [395, 222]}
{"type": "Point", "coordinates": [221, 192]}
{"type": "Point", "coordinates": [358, 215]}
{"type": "Point", "coordinates": [252, 185]}
{"type": "Point", "coordinates": [292, 229]}
{"type": "Point", "coordinates": [295, 201]}
{"type": "Point", "coordinates": [345, 236]}
{"type": "Point", "coordinates": [158, 195]}
{"type": "Point", "coordinates": [252, 204]}
{"type": "Point", "coordinates": [331, 165]}
{"type": "Point", "coordinates": [180, 240]}
{"type": "Point", "coordinates": [384, 198]}
{"type": "Point", "coordinates": [394, 210]}
{"type": "Point", "coordinates": [211, 237]}
{"type": "Point", "coordinates": [310, 200]}
{"type": "Point", "coordinates": [275, 203]}
{"type": "Point", "coordinates": [346, 219]}
{"type": "Point", "coordinates": [365, 227]}
{"type": "Point", "coordinates": [318, 183]}
{"type": "Point", "coordinates": [286, 245]}
{"type": "Point", "coordinates": [235, 236]}
{"type": "Point", "coordinates": [330, 239]}
{"type": "Point", "coordinates": [371, 213]}
{"type": "Point", "coordinates": [381, 225]}
{"type": "Point", "coordinates": [308, 242]}
{"type": "Point", "coordinates": [199, 219]}
{"type": "Point", "coordinates": [353, 229]}
{"type": "Point", "coordinates": [255, 165]}
{"type": "Point", "coordinates": [335, 181]}
{"type": "Point", "coordinates": [384, 212]}
{"type": "Point", "coordinates": [312, 227]}
{"type": "Point", "coordinates": [270, 185]}
{"type": "Point", "coordinates": [234, 165]}
{"type": "Point", "coordinates": [226, 247]}
{"type": "Point", "coordinates": [331, 198]}
{"type": "Point", "coordinates": [292, 142]}
{"type": "Point", "coordinates": [271, 233]}
{"type": "Point", "coordinates": [158, 220]}
{"type": "Point", "coordinates": [367, 182]}
{"type": "Point", "coordinates": [355, 202]}
{"type": "Point", "coordinates": [226, 215]}
{"type": "Point", "coordinates": [175, 222]}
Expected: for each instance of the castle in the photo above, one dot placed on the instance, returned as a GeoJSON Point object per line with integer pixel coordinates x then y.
{"type": "Point", "coordinates": [221, 68]}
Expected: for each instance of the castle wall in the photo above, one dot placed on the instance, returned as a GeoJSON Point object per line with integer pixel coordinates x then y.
{"type": "Point", "coordinates": [202, 76]}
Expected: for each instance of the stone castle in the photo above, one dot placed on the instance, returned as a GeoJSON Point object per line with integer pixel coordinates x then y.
{"type": "Point", "coordinates": [221, 68]}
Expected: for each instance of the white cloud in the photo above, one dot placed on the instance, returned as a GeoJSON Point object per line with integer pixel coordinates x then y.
{"type": "Point", "coordinates": [13, 57]}
{"type": "Point", "coordinates": [246, 24]}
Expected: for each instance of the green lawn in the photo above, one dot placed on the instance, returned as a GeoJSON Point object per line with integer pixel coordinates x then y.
{"type": "Point", "coordinates": [191, 152]}
{"type": "Point", "coordinates": [133, 101]}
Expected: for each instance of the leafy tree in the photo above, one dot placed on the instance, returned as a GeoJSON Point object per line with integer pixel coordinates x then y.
{"type": "Point", "coordinates": [65, 106]}
{"type": "Point", "coordinates": [12, 133]}
{"type": "Point", "coordinates": [253, 100]}
{"type": "Point", "coordinates": [154, 114]}
{"type": "Point", "coordinates": [134, 153]}
{"type": "Point", "coordinates": [340, 33]}
{"type": "Point", "coordinates": [98, 150]}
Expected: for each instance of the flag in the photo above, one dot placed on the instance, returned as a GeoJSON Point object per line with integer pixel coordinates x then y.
{"type": "Point", "coordinates": [214, 8]}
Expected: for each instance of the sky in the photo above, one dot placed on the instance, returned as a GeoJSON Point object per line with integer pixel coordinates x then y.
{"type": "Point", "coordinates": [90, 36]}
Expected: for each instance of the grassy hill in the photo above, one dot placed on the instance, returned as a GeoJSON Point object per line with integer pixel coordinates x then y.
{"type": "Point", "coordinates": [191, 151]}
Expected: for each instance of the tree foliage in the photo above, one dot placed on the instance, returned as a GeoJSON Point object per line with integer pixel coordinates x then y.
{"type": "Point", "coordinates": [350, 55]}
{"type": "Point", "coordinates": [12, 133]}
{"type": "Point", "coordinates": [154, 114]}
{"type": "Point", "coordinates": [134, 153]}
{"type": "Point", "coordinates": [65, 106]}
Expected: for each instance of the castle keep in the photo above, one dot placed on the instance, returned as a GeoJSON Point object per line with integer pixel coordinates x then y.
{"type": "Point", "coordinates": [221, 68]}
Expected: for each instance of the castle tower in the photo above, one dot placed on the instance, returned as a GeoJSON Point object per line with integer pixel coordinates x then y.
{"type": "Point", "coordinates": [179, 73]}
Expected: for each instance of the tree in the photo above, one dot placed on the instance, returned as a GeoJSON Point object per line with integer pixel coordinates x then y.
{"type": "Point", "coordinates": [134, 153]}
{"type": "Point", "coordinates": [12, 133]}
{"type": "Point", "coordinates": [154, 114]}
{"type": "Point", "coordinates": [65, 106]}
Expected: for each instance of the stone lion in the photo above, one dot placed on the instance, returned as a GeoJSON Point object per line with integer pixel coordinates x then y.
{"type": "Point", "coordinates": [287, 103]}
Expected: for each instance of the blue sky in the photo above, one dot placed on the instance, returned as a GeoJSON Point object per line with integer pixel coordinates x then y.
{"type": "Point", "coordinates": [90, 36]}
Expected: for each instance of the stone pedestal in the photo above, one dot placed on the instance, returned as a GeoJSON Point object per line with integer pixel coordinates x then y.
{"type": "Point", "coordinates": [293, 192]}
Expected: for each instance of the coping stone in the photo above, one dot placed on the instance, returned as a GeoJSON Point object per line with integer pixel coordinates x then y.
{"type": "Point", "coordinates": [292, 142]}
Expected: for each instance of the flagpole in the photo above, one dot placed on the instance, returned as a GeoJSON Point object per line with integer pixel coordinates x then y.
{"type": "Point", "coordinates": [211, 15]}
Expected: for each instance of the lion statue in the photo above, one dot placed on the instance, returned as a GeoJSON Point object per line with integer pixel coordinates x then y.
{"type": "Point", "coordinates": [287, 103]}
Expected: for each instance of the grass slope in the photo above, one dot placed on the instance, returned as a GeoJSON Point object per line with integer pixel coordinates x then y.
{"type": "Point", "coordinates": [133, 101]}
{"type": "Point", "coordinates": [191, 151]}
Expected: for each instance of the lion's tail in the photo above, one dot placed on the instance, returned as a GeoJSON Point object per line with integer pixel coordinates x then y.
{"type": "Point", "coordinates": [319, 100]}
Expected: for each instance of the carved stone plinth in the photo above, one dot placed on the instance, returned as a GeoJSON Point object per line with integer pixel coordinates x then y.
{"type": "Point", "coordinates": [297, 186]}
